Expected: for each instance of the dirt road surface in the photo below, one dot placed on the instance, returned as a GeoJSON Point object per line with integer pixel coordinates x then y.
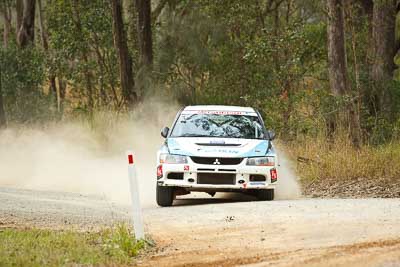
{"type": "Point", "coordinates": [218, 232]}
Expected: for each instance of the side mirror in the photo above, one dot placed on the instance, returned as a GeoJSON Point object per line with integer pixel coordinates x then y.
{"type": "Point", "coordinates": [164, 132]}
{"type": "Point", "coordinates": [270, 135]}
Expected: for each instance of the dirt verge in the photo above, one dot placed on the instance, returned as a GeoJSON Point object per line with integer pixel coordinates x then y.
{"type": "Point", "coordinates": [357, 188]}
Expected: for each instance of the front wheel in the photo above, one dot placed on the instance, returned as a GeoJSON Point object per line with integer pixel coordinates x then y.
{"type": "Point", "coordinates": [265, 194]}
{"type": "Point", "coordinates": [165, 196]}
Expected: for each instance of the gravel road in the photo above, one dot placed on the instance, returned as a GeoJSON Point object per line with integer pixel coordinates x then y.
{"type": "Point", "coordinates": [218, 232]}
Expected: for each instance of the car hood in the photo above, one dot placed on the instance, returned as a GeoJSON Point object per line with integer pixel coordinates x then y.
{"type": "Point", "coordinates": [217, 147]}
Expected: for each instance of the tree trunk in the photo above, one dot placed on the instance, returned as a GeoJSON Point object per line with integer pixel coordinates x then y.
{"type": "Point", "coordinates": [26, 34]}
{"type": "Point", "coordinates": [89, 84]}
{"type": "Point", "coordinates": [43, 32]}
{"type": "Point", "coordinates": [2, 113]}
{"type": "Point", "coordinates": [45, 44]}
{"type": "Point", "coordinates": [144, 36]}
{"type": "Point", "coordinates": [5, 9]}
{"type": "Point", "coordinates": [337, 66]}
{"type": "Point", "coordinates": [85, 58]}
{"type": "Point", "coordinates": [384, 51]}
{"type": "Point", "coordinates": [367, 88]}
{"type": "Point", "coordinates": [61, 91]}
{"type": "Point", "coordinates": [336, 48]}
{"type": "Point", "coordinates": [19, 8]}
{"type": "Point", "coordinates": [367, 6]}
{"type": "Point", "coordinates": [125, 61]}
{"type": "Point", "coordinates": [157, 11]}
{"type": "Point", "coordinates": [143, 8]}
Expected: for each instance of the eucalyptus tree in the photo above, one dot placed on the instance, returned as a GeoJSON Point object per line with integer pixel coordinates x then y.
{"type": "Point", "coordinates": [124, 58]}
{"type": "Point", "coordinates": [338, 73]}
{"type": "Point", "coordinates": [26, 33]}
{"type": "Point", "coordinates": [6, 12]}
{"type": "Point", "coordinates": [384, 49]}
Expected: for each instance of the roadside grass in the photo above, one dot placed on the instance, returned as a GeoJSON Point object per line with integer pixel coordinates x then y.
{"type": "Point", "coordinates": [36, 247]}
{"type": "Point", "coordinates": [318, 160]}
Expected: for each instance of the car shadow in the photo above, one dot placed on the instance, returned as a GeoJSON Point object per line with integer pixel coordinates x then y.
{"type": "Point", "coordinates": [219, 198]}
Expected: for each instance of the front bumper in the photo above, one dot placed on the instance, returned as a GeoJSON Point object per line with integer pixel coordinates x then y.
{"type": "Point", "coordinates": [191, 173]}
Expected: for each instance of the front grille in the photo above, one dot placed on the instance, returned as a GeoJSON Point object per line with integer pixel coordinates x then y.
{"type": "Point", "coordinates": [216, 161]}
{"type": "Point", "coordinates": [216, 178]}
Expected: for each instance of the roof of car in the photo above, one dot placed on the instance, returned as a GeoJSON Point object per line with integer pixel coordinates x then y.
{"type": "Point", "coordinates": [218, 108]}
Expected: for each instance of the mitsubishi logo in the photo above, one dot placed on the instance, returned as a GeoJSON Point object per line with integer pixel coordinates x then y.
{"type": "Point", "coordinates": [216, 162]}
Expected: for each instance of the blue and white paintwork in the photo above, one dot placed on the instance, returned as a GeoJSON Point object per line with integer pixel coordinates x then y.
{"type": "Point", "coordinates": [243, 148]}
{"type": "Point", "coordinates": [229, 148]}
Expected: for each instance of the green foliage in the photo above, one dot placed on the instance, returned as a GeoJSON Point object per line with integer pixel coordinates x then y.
{"type": "Point", "coordinates": [22, 78]}
{"type": "Point", "coordinates": [270, 55]}
{"type": "Point", "coordinates": [221, 53]}
{"type": "Point", "coordinates": [118, 243]}
{"type": "Point", "coordinates": [37, 247]}
{"type": "Point", "coordinates": [81, 39]}
{"type": "Point", "coordinates": [384, 127]}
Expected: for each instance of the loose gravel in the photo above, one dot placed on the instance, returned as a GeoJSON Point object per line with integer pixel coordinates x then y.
{"type": "Point", "coordinates": [218, 232]}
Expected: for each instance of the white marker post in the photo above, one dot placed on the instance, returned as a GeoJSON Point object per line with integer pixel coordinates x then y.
{"type": "Point", "coordinates": [134, 188]}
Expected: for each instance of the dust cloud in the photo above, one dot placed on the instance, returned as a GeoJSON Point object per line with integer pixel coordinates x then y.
{"type": "Point", "coordinates": [73, 157]}
{"type": "Point", "coordinates": [288, 187]}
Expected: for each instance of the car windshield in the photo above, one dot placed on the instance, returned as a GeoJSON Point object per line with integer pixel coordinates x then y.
{"type": "Point", "coordinates": [217, 125]}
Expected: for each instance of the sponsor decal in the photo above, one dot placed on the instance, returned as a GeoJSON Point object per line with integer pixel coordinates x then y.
{"type": "Point", "coordinates": [230, 151]}
{"type": "Point", "coordinates": [217, 142]}
{"type": "Point", "coordinates": [219, 112]}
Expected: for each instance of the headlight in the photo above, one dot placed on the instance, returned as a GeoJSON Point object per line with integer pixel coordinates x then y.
{"type": "Point", "coordinates": [173, 159]}
{"type": "Point", "coordinates": [261, 161]}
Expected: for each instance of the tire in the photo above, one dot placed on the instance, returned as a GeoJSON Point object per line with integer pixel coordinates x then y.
{"type": "Point", "coordinates": [165, 196]}
{"type": "Point", "coordinates": [266, 194]}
